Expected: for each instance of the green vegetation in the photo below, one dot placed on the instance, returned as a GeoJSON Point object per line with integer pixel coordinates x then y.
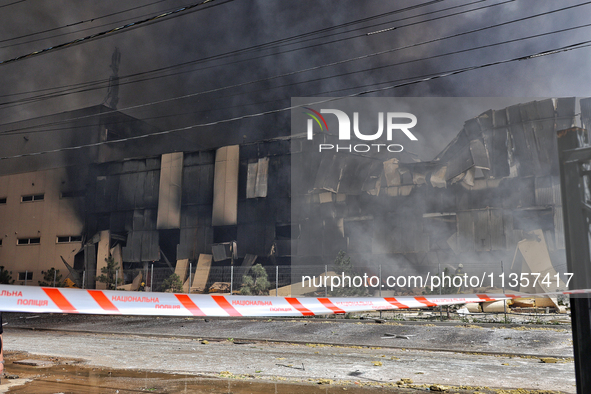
{"type": "Point", "coordinates": [172, 284]}
{"type": "Point", "coordinates": [5, 276]}
{"type": "Point", "coordinates": [256, 283]}
{"type": "Point", "coordinates": [49, 277]}
{"type": "Point", "coordinates": [344, 266]}
{"type": "Point", "coordinates": [109, 274]}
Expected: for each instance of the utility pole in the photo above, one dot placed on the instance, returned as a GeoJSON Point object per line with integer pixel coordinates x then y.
{"type": "Point", "coordinates": [574, 164]}
{"type": "Point", "coordinates": [113, 91]}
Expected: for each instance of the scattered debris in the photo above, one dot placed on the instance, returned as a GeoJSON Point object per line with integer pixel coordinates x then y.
{"type": "Point", "coordinates": [377, 363]}
{"type": "Point", "coordinates": [291, 366]}
{"type": "Point", "coordinates": [548, 360]}
{"type": "Point", "coordinates": [34, 363]}
{"type": "Point", "coordinates": [390, 336]}
{"type": "Point", "coordinates": [438, 387]}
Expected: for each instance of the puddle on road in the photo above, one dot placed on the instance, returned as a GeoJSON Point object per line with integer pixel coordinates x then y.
{"type": "Point", "coordinates": [65, 376]}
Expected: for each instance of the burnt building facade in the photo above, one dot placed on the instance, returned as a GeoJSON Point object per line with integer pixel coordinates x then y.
{"type": "Point", "coordinates": [491, 195]}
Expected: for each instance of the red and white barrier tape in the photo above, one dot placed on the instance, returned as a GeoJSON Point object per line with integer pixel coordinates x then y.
{"type": "Point", "coordinates": [109, 302]}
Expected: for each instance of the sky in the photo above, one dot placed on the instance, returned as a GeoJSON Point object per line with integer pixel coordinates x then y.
{"type": "Point", "coordinates": [236, 58]}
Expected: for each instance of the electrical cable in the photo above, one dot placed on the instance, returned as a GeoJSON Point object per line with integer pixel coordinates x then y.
{"type": "Point", "coordinates": [105, 80]}
{"type": "Point", "coordinates": [71, 25]}
{"type": "Point", "coordinates": [224, 55]}
{"type": "Point", "coordinates": [582, 44]}
{"type": "Point", "coordinates": [148, 21]}
{"type": "Point", "coordinates": [13, 3]}
{"type": "Point", "coordinates": [359, 57]}
{"type": "Point", "coordinates": [352, 59]}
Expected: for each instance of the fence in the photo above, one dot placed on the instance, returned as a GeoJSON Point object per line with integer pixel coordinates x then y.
{"type": "Point", "coordinates": [332, 280]}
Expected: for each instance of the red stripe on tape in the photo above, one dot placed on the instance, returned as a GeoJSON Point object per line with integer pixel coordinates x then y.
{"type": "Point", "coordinates": [425, 301]}
{"type": "Point", "coordinates": [298, 305]}
{"type": "Point", "coordinates": [393, 301]}
{"type": "Point", "coordinates": [59, 300]}
{"type": "Point", "coordinates": [103, 301]}
{"type": "Point", "coordinates": [221, 300]}
{"type": "Point", "coordinates": [327, 304]}
{"type": "Point", "coordinates": [190, 305]}
{"type": "Point", "coordinates": [484, 297]}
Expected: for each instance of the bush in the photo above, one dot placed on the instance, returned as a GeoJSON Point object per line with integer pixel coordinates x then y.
{"type": "Point", "coordinates": [172, 283]}
{"type": "Point", "coordinates": [49, 276]}
{"type": "Point", "coordinates": [344, 266]}
{"type": "Point", "coordinates": [5, 276]}
{"type": "Point", "coordinates": [109, 274]}
{"type": "Point", "coordinates": [256, 283]}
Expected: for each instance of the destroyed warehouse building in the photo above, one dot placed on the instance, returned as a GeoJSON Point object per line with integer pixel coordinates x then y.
{"type": "Point", "coordinates": [490, 199]}
{"type": "Point", "coordinates": [491, 195]}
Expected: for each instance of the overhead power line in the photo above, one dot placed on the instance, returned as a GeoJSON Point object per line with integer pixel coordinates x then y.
{"type": "Point", "coordinates": [244, 50]}
{"type": "Point", "coordinates": [13, 3]}
{"type": "Point", "coordinates": [582, 44]}
{"type": "Point", "coordinates": [70, 24]}
{"type": "Point", "coordinates": [90, 88]}
{"type": "Point", "coordinates": [346, 61]}
{"type": "Point", "coordinates": [87, 88]}
{"type": "Point", "coordinates": [154, 19]}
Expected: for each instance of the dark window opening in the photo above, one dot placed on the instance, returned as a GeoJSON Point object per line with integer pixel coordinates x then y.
{"type": "Point", "coordinates": [28, 241]}
{"type": "Point", "coordinates": [282, 231]}
{"type": "Point", "coordinates": [528, 220]}
{"type": "Point", "coordinates": [168, 242]}
{"type": "Point", "coordinates": [224, 234]}
{"type": "Point", "coordinates": [66, 239]}
{"type": "Point", "coordinates": [3, 200]}
{"type": "Point", "coordinates": [103, 221]}
{"type": "Point", "coordinates": [72, 194]}
{"type": "Point", "coordinates": [33, 197]}
{"type": "Point", "coordinates": [26, 275]}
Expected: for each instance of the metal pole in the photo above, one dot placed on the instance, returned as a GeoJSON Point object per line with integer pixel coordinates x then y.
{"type": "Point", "coordinates": [54, 276]}
{"type": "Point", "coordinates": [576, 240]}
{"type": "Point", "coordinates": [116, 279]}
{"type": "Point", "coordinates": [503, 282]}
{"type": "Point", "coordinates": [152, 279]}
{"type": "Point", "coordinates": [380, 289]}
{"type": "Point", "coordinates": [231, 279]}
{"type": "Point", "coordinates": [325, 275]}
{"type": "Point", "coordinates": [26, 274]}
{"type": "Point", "coordinates": [190, 273]}
{"type": "Point", "coordinates": [84, 279]}
{"type": "Point", "coordinates": [441, 285]}
{"type": "Point", "coordinates": [276, 281]}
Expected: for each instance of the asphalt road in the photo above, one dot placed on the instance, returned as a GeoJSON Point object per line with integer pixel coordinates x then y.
{"type": "Point", "coordinates": [308, 350]}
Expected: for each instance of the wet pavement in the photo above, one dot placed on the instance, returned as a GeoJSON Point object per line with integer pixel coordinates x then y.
{"type": "Point", "coordinates": [63, 377]}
